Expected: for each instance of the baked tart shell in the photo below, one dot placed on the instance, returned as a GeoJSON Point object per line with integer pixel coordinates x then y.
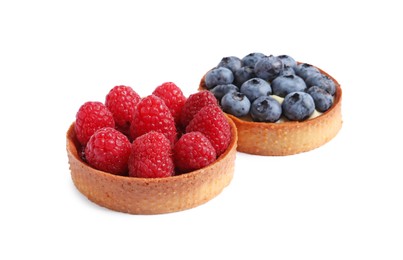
{"type": "Point", "coordinates": [291, 137]}
{"type": "Point", "coordinates": [151, 195]}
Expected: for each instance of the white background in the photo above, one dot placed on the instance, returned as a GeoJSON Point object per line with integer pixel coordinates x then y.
{"type": "Point", "coordinates": [341, 201]}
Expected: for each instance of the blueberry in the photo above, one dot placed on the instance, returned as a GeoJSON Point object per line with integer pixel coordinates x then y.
{"type": "Point", "coordinates": [243, 74]}
{"type": "Point", "coordinates": [322, 81]}
{"type": "Point", "coordinates": [288, 61]}
{"type": "Point", "coordinates": [268, 67]}
{"type": "Point", "coordinates": [284, 84]}
{"type": "Point", "coordinates": [255, 87]}
{"type": "Point", "coordinates": [304, 70]}
{"type": "Point", "coordinates": [235, 103]}
{"type": "Point", "coordinates": [220, 90]}
{"type": "Point", "coordinates": [251, 59]}
{"type": "Point", "coordinates": [298, 106]}
{"type": "Point", "coordinates": [231, 62]}
{"type": "Point", "coordinates": [265, 109]}
{"type": "Point", "coordinates": [218, 76]}
{"type": "Point", "coordinates": [287, 71]}
{"type": "Point", "coordinates": [323, 100]}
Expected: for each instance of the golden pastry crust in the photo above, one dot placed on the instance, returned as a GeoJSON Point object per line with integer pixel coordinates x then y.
{"type": "Point", "coordinates": [292, 137]}
{"type": "Point", "coordinates": [151, 195]}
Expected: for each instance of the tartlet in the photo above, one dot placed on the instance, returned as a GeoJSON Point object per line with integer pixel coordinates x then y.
{"type": "Point", "coordinates": [151, 195]}
{"type": "Point", "coordinates": [291, 137]}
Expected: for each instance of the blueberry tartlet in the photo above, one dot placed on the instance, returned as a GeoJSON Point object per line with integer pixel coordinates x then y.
{"type": "Point", "coordinates": [279, 106]}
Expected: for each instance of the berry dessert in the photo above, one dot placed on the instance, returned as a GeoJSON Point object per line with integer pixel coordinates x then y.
{"type": "Point", "coordinates": [157, 154]}
{"type": "Point", "coordinates": [279, 106]}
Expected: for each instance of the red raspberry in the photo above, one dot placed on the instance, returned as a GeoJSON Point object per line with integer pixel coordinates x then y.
{"type": "Point", "coordinates": [151, 156]}
{"type": "Point", "coordinates": [173, 98]}
{"type": "Point", "coordinates": [152, 114]}
{"type": "Point", "coordinates": [108, 150]}
{"type": "Point", "coordinates": [90, 117]}
{"type": "Point", "coordinates": [193, 151]}
{"type": "Point", "coordinates": [194, 103]}
{"type": "Point", "coordinates": [212, 122]}
{"type": "Point", "coordinates": [121, 101]}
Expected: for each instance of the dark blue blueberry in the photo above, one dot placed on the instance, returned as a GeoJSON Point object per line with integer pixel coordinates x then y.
{"type": "Point", "coordinates": [298, 106]}
{"type": "Point", "coordinates": [286, 71]}
{"type": "Point", "coordinates": [251, 59]}
{"type": "Point", "coordinates": [255, 87]}
{"type": "Point", "coordinates": [323, 100]}
{"type": "Point", "coordinates": [322, 81]}
{"type": "Point", "coordinates": [265, 109]}
{"type": "Point", "coordinates": [235, 103]}
{"type": "Point", "coordinates": [282, 85]}
{"type": "Point", "coordinates": [218, 76]}
{"type": "Point", "coordinates": [268, 67]}
{"type": "Point", "coordinates": [231, 62]}
{"type": "Point", "coordinates": [288, 61]}
{"type": "Point", "coordinates": [220, 90]}
{"type": "Point", "coordinates": [304, 70]}
{"type": "Point", "coordinates": [243, 74]}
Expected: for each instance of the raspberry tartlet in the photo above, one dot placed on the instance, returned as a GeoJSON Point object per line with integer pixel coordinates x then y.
{"type": "Point", "coordinates": [125, 192]}
{"type": "Point", "coordinates": [283, 137]}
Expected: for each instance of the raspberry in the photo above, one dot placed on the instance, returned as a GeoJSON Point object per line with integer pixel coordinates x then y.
{"type": "Point", "coordinates": [121, 101]}
{"type": "Point", "coordinates": [173, 97]}
{"type": "Point", "coordinates": [194, 103]}
{"type": "Point", "coordinates": [193, 151]}
{"type": "Point", "coordinates": [151, 156]}
{"type": "Point", "coordinates": [152, 114]}
{"type": "Point", "coordinates": [108, 150]}
{"type": "Point", "coordinates": [212, 122]}
{"type": "Point", "coordinates": [91, 116]}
